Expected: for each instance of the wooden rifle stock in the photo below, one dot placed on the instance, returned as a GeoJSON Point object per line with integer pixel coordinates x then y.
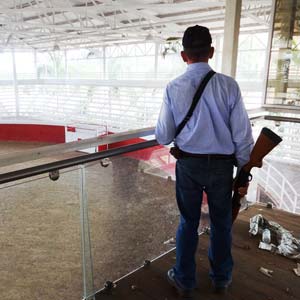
{"type": "Point", "coordinates": [266, 141]}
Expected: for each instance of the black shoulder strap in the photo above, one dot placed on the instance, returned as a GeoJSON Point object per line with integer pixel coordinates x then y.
{"type": "Point", "coordinates": [196, 99]}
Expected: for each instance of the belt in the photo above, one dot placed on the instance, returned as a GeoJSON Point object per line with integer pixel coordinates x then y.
{"type": "Point", "coordinates": [207, 156]}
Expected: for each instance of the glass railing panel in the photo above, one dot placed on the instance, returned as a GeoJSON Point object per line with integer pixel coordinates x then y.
{"type": "Point", "coordinates": [40, 255]}
{"type": "Point", "coordinates": [132, 211]}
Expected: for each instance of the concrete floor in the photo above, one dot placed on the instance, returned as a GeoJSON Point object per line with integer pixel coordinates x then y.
{"type": "Point", "coordinates": [248, 282]}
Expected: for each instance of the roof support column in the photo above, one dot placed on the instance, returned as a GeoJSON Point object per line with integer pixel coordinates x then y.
{"type": "Point", "coordinates": [15, 83]}
{"type": "Point", "coordinates": [156, 59]}
{"type": "Point", "coordinates": [217, 53]}
{"type": "Point", "coordinates": [35, 64]}
{"type": "Point", "coordinates": [231, 36]}
{"type": "Point", "coordinates": [268, 52]}
{"type": "Point", "coordinates": [104, 64]}
{"type": "Point", "coordinates": [66, 64]}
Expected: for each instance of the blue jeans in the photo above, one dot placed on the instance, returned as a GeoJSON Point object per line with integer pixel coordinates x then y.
{"type": "Point", "coordinates": [214, 176]}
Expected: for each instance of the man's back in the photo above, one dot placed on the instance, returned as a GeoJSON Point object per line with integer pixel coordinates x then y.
{"type": "Point", "coordinates": [217, 125]}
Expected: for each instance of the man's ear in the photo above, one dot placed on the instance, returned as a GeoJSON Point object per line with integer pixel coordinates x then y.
{"type": "Point", "coordinates": [184, 56]}
{"type": "Point", "coordinates": [211, 52]}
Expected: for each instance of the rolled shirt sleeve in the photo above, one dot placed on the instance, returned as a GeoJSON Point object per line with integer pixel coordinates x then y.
{"type": "Point", "coordinates": [165, 128]}
{"type": "Point", "coordinates": [241, 129]}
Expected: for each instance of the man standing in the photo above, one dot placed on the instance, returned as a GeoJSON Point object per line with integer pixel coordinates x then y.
{"type": "Point", "coordinates": [217, 135]}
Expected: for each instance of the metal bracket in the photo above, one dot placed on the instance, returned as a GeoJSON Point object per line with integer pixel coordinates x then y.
{"type": "Point", "coordinates": [54, 175]}
{"type": "Point", "coordinates": [105, 162]}
{"type": "Point", "coordinates": [109, 286]}
{"type": "Point", "coordinates": [147, 263]}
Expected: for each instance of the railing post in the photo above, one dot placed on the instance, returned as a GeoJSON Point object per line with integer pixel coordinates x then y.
{"type": "Point", "coordinates": [268, 176]}
{"type": "Point", "coordinates": [295, 203]}
{"type": "Point", "coordinates": [282, 192]}
{"type": "Point", "coordinates": [258, 192]}
{"type": "Point", "coordinates": [86, 254]}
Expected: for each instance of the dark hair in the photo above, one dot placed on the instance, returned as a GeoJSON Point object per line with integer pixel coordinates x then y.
{"type": "Point", "coordinates": [197, 53]}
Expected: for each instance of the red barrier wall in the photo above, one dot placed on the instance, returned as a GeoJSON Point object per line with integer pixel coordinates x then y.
{"type": "Point", "coordinates": [32, 133]}
{"type": "Point", "coordinates": [56, 134]}
{"type": "Point", "coordinates": [143, 154]}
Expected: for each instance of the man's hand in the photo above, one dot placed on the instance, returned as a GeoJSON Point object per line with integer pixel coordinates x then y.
{"type": "Point", "coordinates": [243, 190]}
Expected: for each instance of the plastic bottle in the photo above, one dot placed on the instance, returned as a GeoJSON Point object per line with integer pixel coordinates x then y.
{"type": "Point", "coordinates": [266, 236]}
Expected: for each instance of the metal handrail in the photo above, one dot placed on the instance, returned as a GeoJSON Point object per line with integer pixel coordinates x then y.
{"type": "Point", "coordinates": [66, 163]}
{"type": "Point", "coordinates": [282, 119]}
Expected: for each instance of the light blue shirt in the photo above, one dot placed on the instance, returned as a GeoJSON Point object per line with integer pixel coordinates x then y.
{"type": "Point", "coordinates": [219, 124]}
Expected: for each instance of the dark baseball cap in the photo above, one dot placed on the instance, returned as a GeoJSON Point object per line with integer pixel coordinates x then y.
{"type": "Point", "coordinates": [196, 37]}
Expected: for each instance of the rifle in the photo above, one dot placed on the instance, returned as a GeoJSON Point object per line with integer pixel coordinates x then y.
{"type": "Point", "coordinates": [266, 141]}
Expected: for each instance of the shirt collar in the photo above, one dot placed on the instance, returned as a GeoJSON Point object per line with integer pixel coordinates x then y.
{"type": "Point", "coordinates": [198, 66]}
